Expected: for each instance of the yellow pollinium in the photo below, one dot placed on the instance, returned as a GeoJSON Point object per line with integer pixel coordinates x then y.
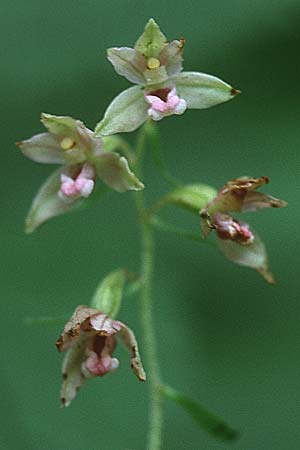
{"type": "Point", "coordinates": [67, 143]}
{"type": "Point", "coordinates": [153, 63]}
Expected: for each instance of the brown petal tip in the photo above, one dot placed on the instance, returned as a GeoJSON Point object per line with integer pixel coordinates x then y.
{"type": "Point", "coordinates": [267, 275]}
{"type": "Point", "coordinates": [63, 402]}
{"type": "Point", "coordinates": [182, 43]}
{"type": "Point", "coordinates": [234, 92]}
{"type": "Point", "coordinates": [59, 343]}
{"type": "Point", "coordinates": [276, 203]}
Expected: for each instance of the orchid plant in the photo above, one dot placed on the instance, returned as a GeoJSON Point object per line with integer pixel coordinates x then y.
{"type": "Point", "coordinates": [89, 157]}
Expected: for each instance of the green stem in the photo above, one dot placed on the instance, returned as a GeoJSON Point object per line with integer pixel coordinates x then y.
{"type": "Point", "coordinates": [154, 438]}
{"type": "Point", "coordinates": [151, 130]}
{"type": "Point", "coordinates": [161, 225]}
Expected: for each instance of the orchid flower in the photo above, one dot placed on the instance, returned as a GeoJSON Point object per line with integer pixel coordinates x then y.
{"type": "Point", "coordinates": [155, 66]}
{"type": "Point", "coordinates": [84, 159]}
{"type": "Point", "coordinates": [235, 238]}
{"type": "Point", "coordinates": [90, 338]}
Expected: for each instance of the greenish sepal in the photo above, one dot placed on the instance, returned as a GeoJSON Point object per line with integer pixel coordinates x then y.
{"type": "Point", "coordinates": [201, 90]}
{"type": "Point", "coordinates": [61, 125]}
{"type": "Point", "coordinates": [253, 255]}
{"type": "Point", "coordinates": [152, 41]}
{"type": "Point", "coordinates": [125, 113]}
{"type": "Point", "coordinates": [42, 148]}
{"type": "Point", "coordinates": [47, 203]}
{"type": "Point", "coordinates": [114, 171]}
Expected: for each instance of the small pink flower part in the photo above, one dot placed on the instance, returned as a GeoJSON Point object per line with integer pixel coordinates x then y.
{"type": "Point", "coordinates": [165, 102]}
{"type": "Point", "coordinates": [99, 361]}
{"type": "Point", "coordinates": [229, 228]}
{"type": "Point", "coordinates": [82, 185]}
{"type": "Point", "coordinates": [99, 367]}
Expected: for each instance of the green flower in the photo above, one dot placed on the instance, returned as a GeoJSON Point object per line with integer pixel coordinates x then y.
{"type": "Point", "coordinates": [155, 65]}
{"type": "Point", "coordinates": [83, 158]}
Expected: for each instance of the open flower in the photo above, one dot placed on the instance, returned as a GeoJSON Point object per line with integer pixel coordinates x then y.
{"type": "Point", "coordinates": [155, 65]}
{"type": "Point", "coordinates": [90, 338]}
{"type": "Point", "coordinates": [235, 238]}
{"type": "Point", "coordinates": [84, 159]}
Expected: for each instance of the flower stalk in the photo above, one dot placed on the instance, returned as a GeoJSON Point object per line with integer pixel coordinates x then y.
{"type": "Point", "coordinates": [154, 438]}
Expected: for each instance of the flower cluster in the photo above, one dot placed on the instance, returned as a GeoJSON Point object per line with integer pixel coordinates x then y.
{"type": "Point", "coordinates": [88, 157]}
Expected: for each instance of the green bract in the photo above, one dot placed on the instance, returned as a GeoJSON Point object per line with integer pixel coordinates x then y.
{"type": "Point", "coordinates": [108, 295]}
{"type": "Point", "coordinates": [155, 65]}
{"type": "Point", "coordinates": [191, 196]}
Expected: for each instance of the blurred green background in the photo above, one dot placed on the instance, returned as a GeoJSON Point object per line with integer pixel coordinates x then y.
{"type": "Point", "coordinates": [225, 337]}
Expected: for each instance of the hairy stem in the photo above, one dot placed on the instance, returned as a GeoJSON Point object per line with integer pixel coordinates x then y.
{"type": "Point", "coordinates": [154, 438]}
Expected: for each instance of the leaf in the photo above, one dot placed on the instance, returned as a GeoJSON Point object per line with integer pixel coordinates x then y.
{"type": "Point", "coordinates": [192, 196]}
{"type": "Point", "coordinates": [108, 295]}
{"type": "Point", "coordinates": [47, 203]}
{"type": "Point", "coordinates": [114, 170]}
{"type": "Point", "coordinates": [125, 113]}
{"type": "Point", "coordinates": [253, 256]}
{"type": "Point", "coordinates": [206, 420]}
{"type": "Point", "coordinates": [128, 63]}
{"type": "Point", "coordinates": [201, 91]}
{"type": "Point", "coordinates": [152, 41]}
{"type": "Point", "coordinates": [42, 148]}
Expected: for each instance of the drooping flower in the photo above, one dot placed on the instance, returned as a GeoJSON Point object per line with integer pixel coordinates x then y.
{"type": "Point", "coordinates": [90, 338]}
{"type": "Point", "coordinates": [235, 238]}
{"type": "Point", "coordinates": [155, 65]}
{"type": "Point", "coordinates": [84, 159]}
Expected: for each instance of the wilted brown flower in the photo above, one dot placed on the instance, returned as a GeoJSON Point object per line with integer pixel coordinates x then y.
{"type": "Point", "coordinates": [90, 338]}
{"type": "Point", "coordinates": [236, 240]}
